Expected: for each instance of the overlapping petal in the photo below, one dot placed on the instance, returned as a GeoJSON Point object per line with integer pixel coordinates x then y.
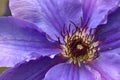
{"type": "Point", "coordinates": [108, 62]}
{"type": "Point", "coordinates": [19, 40]}
{"type": "Point", "coordinates": [96, 11]}
{"type": "Point", "coordinates": [66, 71]}
{"type": "Point", "coordinates": [49, 15]}
{"type": "Point", "coordinates": [32, 70]}
{"type": "Point", "coordinates": [110, 32]}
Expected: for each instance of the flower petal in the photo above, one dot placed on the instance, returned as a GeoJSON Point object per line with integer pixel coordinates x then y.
{"type": "Point", "coordinates": [108, 64]}
{"type": "Point", "coordinates": [19, 40]}
{"type": "Point", "coordinates": [32, 70]}
{"type": "Point", "coordinates": [96, 11]}
{"type": "Point", "coordinates": [49, 15]}
{"type": "Point", "coordinates": [110, 32]}
{"type": "Point", "coordinates": [65, 71]}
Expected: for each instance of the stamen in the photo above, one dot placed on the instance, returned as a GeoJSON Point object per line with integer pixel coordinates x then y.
{"type": "Point", "coordinates": [79, 46]}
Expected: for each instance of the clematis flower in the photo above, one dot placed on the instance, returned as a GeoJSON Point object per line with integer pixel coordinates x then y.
{"type": "Point", "coordinates": [61, 40]}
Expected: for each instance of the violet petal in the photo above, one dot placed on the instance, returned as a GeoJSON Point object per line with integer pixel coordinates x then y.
{"type": "Point", "coordinates": [49, 15]}
{"type": "Point", "coordinates": [96, 11]}
{"type": "Point", "coordinates": [19, 41]}
{"type": "Point", "coordinates": [108, 64]}
{"type": "Point", "coordinates": [32, 70]}
{"type": "Point", "coordinates": [66, 71]}
{"type": "Point", "coordinates": [110, 32]}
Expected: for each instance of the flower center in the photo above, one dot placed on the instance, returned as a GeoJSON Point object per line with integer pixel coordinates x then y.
{"type": "Point", "coordinates": [79, 46]}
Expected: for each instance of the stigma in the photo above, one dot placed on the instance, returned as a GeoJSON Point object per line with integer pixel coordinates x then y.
{"type": "Point", "coordinates": [79, 45]}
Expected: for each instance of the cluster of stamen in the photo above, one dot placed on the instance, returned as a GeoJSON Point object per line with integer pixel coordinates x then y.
{"type": "Point", "coordinates": [79, 46]}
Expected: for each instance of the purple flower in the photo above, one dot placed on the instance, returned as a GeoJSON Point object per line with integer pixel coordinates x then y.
{"type": "Point", "coordinates": [61, 40]}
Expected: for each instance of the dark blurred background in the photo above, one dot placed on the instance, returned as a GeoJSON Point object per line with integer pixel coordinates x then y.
{"type": "Point", "coordinates": [4, 8]}
{"type": "Point", "coordinates": [4, 11]}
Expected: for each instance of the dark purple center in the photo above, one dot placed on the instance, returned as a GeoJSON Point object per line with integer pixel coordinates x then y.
{"type": "Point", "coordinates": [77, 48]}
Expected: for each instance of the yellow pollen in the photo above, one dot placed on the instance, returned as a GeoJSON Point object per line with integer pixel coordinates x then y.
{"type": "Point", "coordinates": [79, 46]}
